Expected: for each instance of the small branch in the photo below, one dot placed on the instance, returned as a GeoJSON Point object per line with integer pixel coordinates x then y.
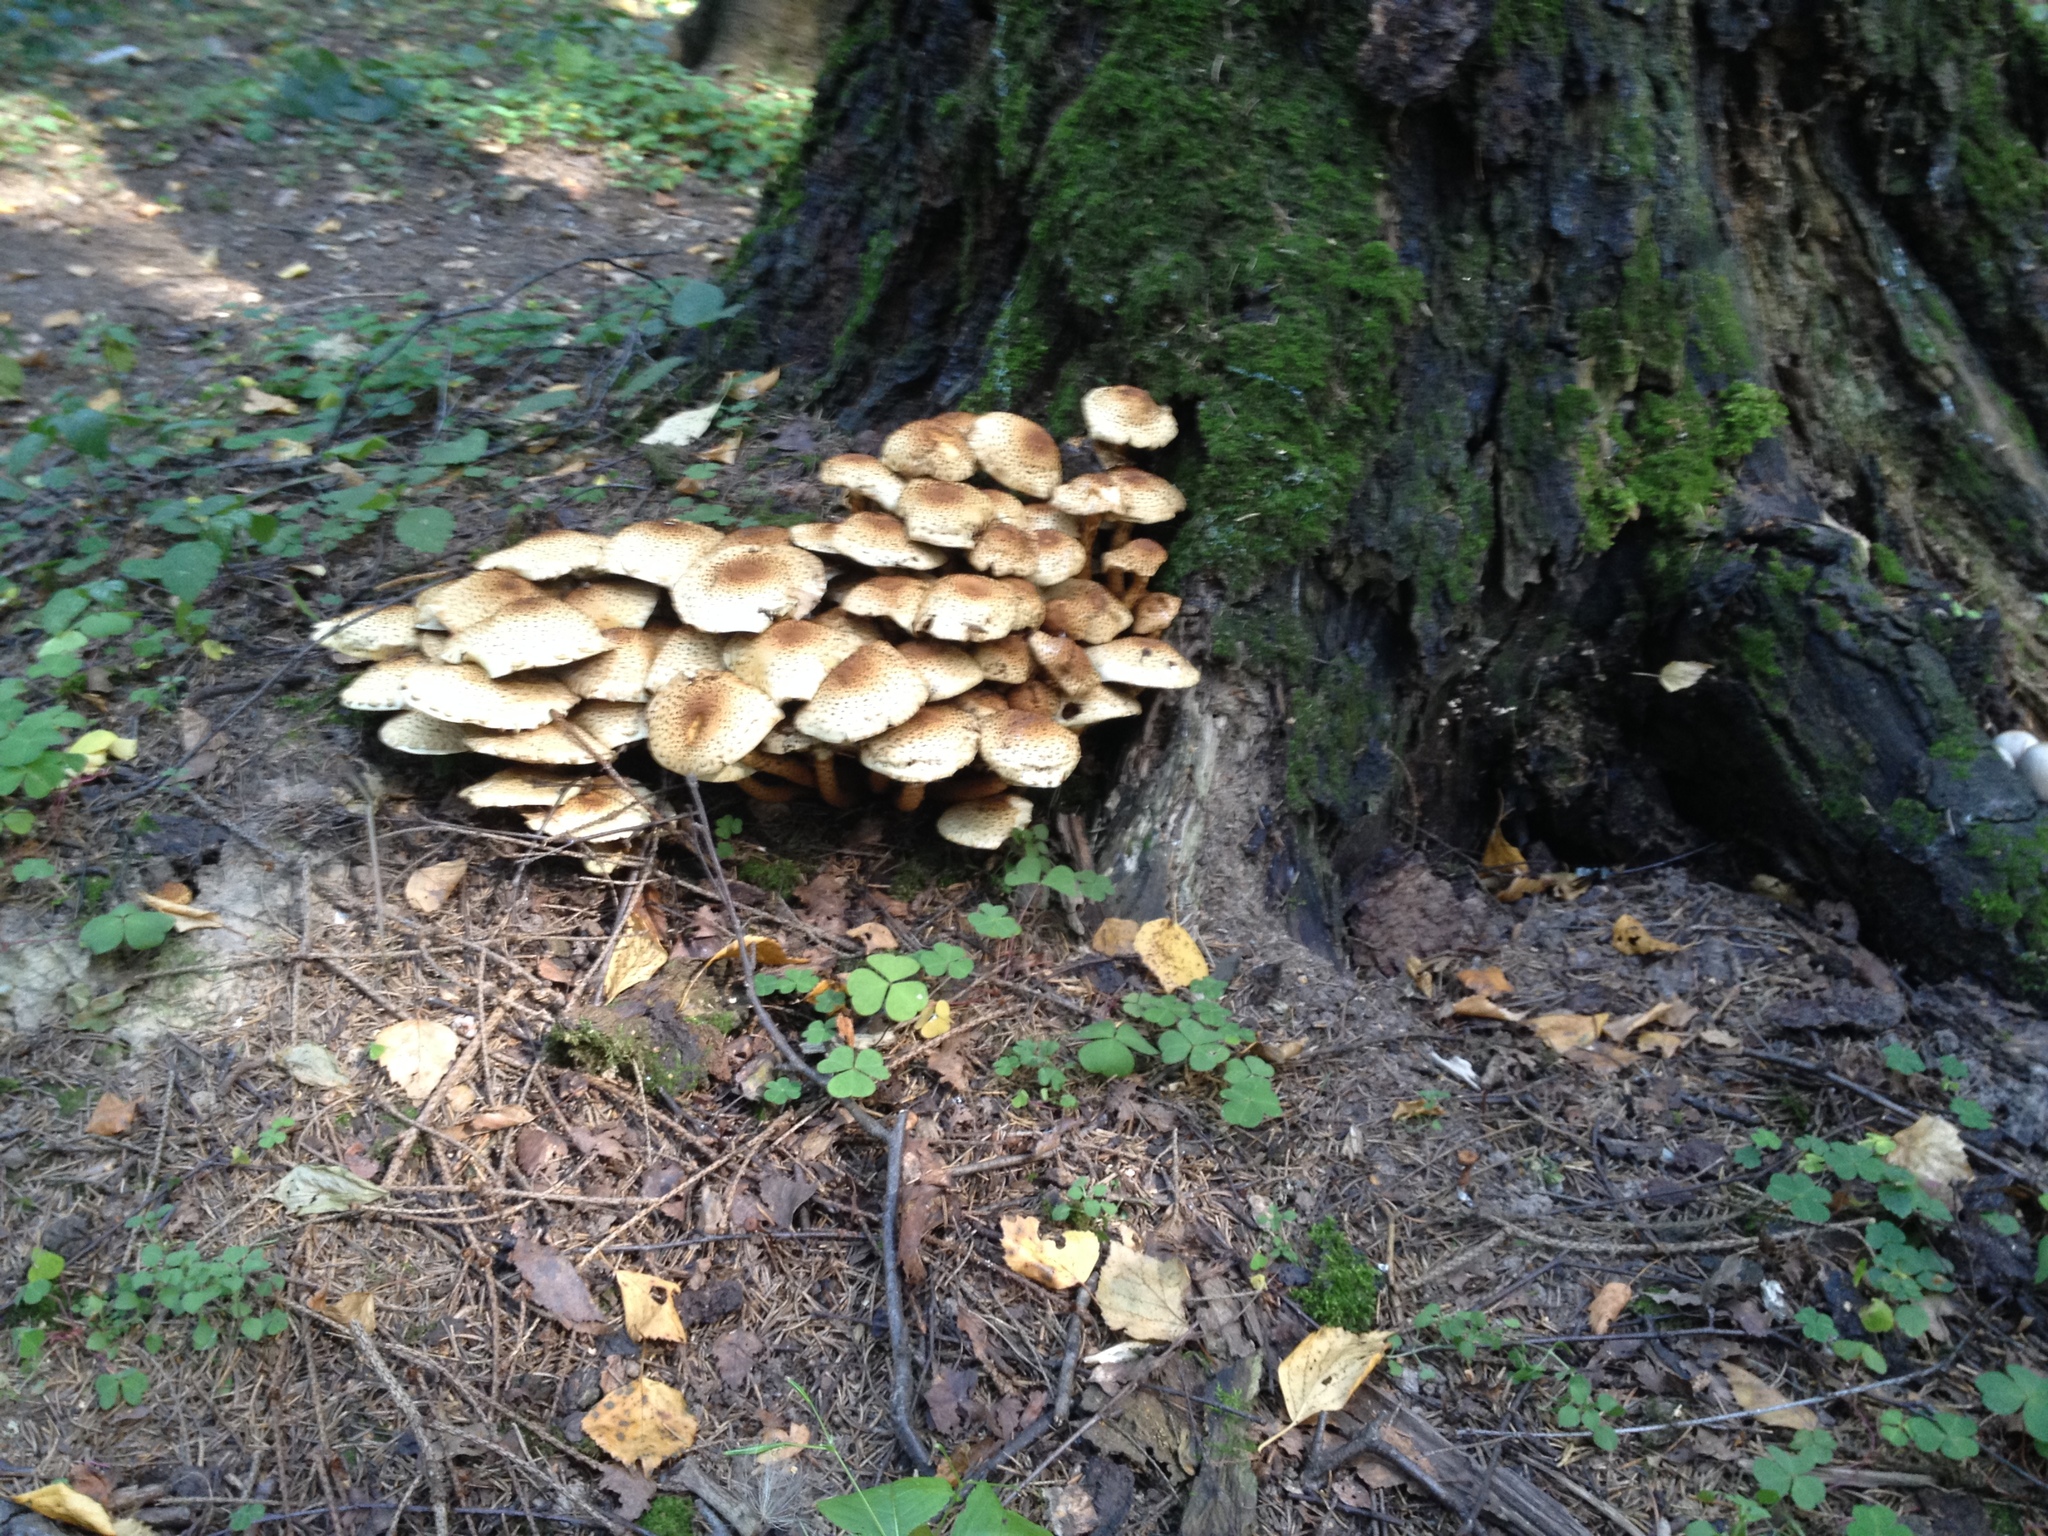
{"type": "Point", "coordinates": [1063, 1396]}
{"type": "Point", "coordinates": [900, 1381]}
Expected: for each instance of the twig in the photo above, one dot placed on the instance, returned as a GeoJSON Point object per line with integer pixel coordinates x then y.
{"type": "Point", "coordinates": [1603, 1245]}
{"type": "Point", "coordinates": [284, 1516]}
{"type": "Point", "coordinates": [1063, 1396]}
{"type": "Point", "coordinates": [892, 1290]}
{"type": "Point", "coordinates": [376, 862]}
{"type": "Point", "coordinates": [433, 1100]}
{"type": "Point", "coordinates": [430, 1453]}
{"type": "Point", "coordinates": [593, 979]}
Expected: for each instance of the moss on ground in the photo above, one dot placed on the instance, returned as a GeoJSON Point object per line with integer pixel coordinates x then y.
{"type": "Point", "coordinates": [1346, 1290]}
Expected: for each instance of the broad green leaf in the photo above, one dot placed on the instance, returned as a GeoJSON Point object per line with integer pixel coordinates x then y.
{"type": "Point", "coordinates": [184, 570]}
{"type": "Point", "coordinates": [894, 1509]}
{"type": "Point", "coordinates": [85, 431]}
{"type": "Point", "coordinates": [466, 449]}
{"type": "Point", "coordinates": [983, 1515]}
{"type": "Point", "coordinates": [893, 967]}
{"type": "Point", "coordinates": [907, 999]}
{"type": "Point", "coordinates": [1106, 1058]}
{"type": "Point", "coordinates": [648, 377]}
{"type": "Point", "coordinates": [698, 303]}
{"type": "Point", "coordinates": [866, 990]}
{"type": "Point", "coordinates": [426, 529]}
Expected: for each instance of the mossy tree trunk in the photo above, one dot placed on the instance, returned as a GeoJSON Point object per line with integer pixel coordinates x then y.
{"type": "Point", "coordinates": [1520, 348]}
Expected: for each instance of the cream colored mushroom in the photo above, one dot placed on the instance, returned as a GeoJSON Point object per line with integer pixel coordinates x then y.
{"type": "Point", "coordinates": [700, 727]}
{"type": "Point", "coordinates": [546, 556]}
{"type": "Point", "coordinates": [465, 694]}
{"type": "Point", "coordinates": [984, 823]}
{"type": "Point", "coordinates": [369, 634]}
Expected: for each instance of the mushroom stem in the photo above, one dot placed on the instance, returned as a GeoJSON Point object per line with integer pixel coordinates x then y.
{"type": "Point", "coordinates": [1090, 525]}
{"type": "Point", "coordinates": [782, 768]}
{"type": "Point", "coordinates": [878, 783]}
{"type": "Point", "coordinates": [910, 797]}
{"type": "Point", "coordinates": [829, 788]}
{"type": "Point", "coordinates": [1135, 590]}
{"type": "Point", "coordinates": [1114, 580]}
{"type": "Point", "coordinates": [773, 794]}
{"type": "Point", "coordinates": [1122, 536]}
{"type": "Point", "coordinates": [969, 786]}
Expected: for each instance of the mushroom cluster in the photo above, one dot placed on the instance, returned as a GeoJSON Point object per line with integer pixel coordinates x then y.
{"type": "Point", "coordinates": [952, 633]}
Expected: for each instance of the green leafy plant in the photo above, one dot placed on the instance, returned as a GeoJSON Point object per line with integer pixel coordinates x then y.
{"type": "Point", "coordinates": [1039, 1060]}
{"type": "Point", "coordinates": [126, 924]}
{"type": "Point", "coordinates": [2017, 1391]}
{"type": "Point", "coordinates": [886, 983]}
{"type": "Point", "coordinates": [1035, 866]}
{"type": "Point", "coordinates": [1787, 1474]}
{"type": "Point", "coordinates": [1086, 1203]}
{"type": "Point", "coordinates": [726, 828]}
{"type": "Point", "coordinates": [1951, 1435]}
{"type": "Point", "coordinates": [853, 1072]}
{"type": "Point", "coordinates": [994, 922]}
{"type": "Point", "coordinates": [1580, 1407]}
{"type": "Point", "coordinates": [1111, 1049]}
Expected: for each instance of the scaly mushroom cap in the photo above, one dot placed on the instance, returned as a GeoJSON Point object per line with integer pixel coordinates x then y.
{"type": "Point", "coordinates": [1090, 495]}
{"type": "Point", "coordinates": [465, 694]}
{"type": "Point", "coordinates": [686, 654]}
{"type": "Point", "coordinates": [436, 644]}
{"type": "Point", "coordinates": [421, 735]}
{"type": "Point", "coordinates": [744, 589]}
{"type": "Point", "coordinates": [1007, 661]}
{"type": "Point", "coordinates": [615, 604]}
{"type": "Point", "coordinates": [960, 422]}
{"type": "Point", "coordinates": [852, 624]}
{"type": "Point", "coordinates": [897, 598]}
{"type": "Point", "coordinates": [1065, 663]}
{"type": "Point", "coordinates": [947, 670]}
{"type": "Point", "coordinates": [1085, 611]}
{"type": "Point", "coordinates": [602, 813]}
{"type": "Point", "coordinates": [985, 823]}
{"type": "Point", "coordinates": [518, 787]}
{"type": "Point", "coordinates": [872, 691]}
{"type": "Point", "coordinates": [755, 536]}
{"type": "Point", "coordinates": [1027, 602]}
{"type": "Point", "coordinates": [1143, 661]}
{"type": "Point", "coordinates": [1058, 557]}
{"type": "Point", "coordinates": [933, 744]}
{"type": "Point", "coordinates": [383, 686]}
{"type": "Point", "coordinates": [1153, 611]}
{"type": "Point", "coordinates": [558, 552]}
{"type": "Point", "coordinates": [981, 702]}
{"type": "Point", "coordinates": [1029, 748]}
{"type": "Point", "coordinates": [789, 660]}
{"type": "Point", "coordinates": [595, 733]}
{"type": "Point", "coordinates": [620, 674]}
{"type": "Point", "coordinates": [944, 513]}
{"type": "Point", "coordinates": [1140, 557]}
{"type": "Point", "coordinates": [534, 632]}
{"type": "Point", "coordinates": [924, 450]}
{"type": "Point", "coordinates": [370, 636]}
{"type": "Point", "coordinates": [786, 739]}
{"type": "Point", "coordinates": [1127, 416]}
{"type": "Point", "coordinates": [879, 541]}
{"type": "Point", "coordinates": [703, 726]}
{"type": "Point", "coordinates": [1000, 550]}
{"type": "Point", "coordinates": [1037, 697]}
{"type": "Point", "coordinates": [658, 552]}
{"type": "Point", "coordinates": [969, 608]}
{"type": "Point", "coordinates": [864, 476]}
{"type": "Point", "coordinates": [1145, 498]}
{"type": "Point", "coordinates": [1016, 453]}
{"type": "Point", "coordinates": [1099, 704]}
{"type": "Point", "coordinates": [455, 605]}
{"type": "Point", "coordinates": [1033, 516]}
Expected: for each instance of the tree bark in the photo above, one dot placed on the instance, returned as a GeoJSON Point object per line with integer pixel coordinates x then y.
{"type": "Point", "coordinates": [1520, 348]}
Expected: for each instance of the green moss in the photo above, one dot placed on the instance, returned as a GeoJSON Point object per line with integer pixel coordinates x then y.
{"type": "Point", "coordinates": [599, 1042]}
{"type": "Point", "coordinates": [1758, 649]}
{"type": "Point", "coordinates": [874, 271]}
{"type": "Point", "coordinates": [1528, 26]}
{"type": "Point", "coordinates": [2013, 895]}
{"type": "Point", "coordinates": [1335, 724]}
{"type": "Point", "coordinates": [1888, 567]}
{"type": "Point", "coordinates": [1744, 415]}
{"type": "Point", "coordinates": [778, 875]}
{"type": "Point", "coordinates": [670, 1515]}
{"type": "Point", "coordinates": [1957, 749]}
{"type": "Point", "coordinates": [1346, 1289]}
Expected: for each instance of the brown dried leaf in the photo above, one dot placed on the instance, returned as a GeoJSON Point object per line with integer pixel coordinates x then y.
{"type": "Point", "coordinates": [551, 970]}
{"type": "Point", "coordinates": [785, 1196]}
{"type": "Point", "coordinates": [1070, 1511]}
{"type": "Point", "coordinates": [1116, 937]}
{"type": "Point", "coordinates": [1753, 1392]}
{"type": "Point", "coordinates": [1056, 1265]}
{"type": "Point", "coordinates": [1141, 1296]}
{"type": "Point", "coordinates": [1568, 1031]}
{"type": "Point", "coordinates": [111, 1116]}
{"type": "Point", "coordinates": [757, 386]}
{"type": "Point", "coordinates": [598, 1140]}
{"type": "Point", "coordinates": [950, 1063]}
{"type": "Point", "coordinates": [63, 1503]}
{"type": "Point", "coordinates": [428, 889]}
{"type": "Point", "coordinates": [643, 1424]}
{"type": "Point", "coordinates": [557, 1289]}
{"type": "Point", "coordinates": [725, 452]}
{"type": "Point", "coordinates": [1487, 981]}
{"type": "Point", "coordinates": [789, 1443]}
{"type": "Point", "coordinates": [1662, 1041]}
{"type": "Point", "coordinates": [1677, 676]}
{"type": "Point", "coordinates": [1609, 1302]}
{"type": "Point", "coordinates": [1721, 1040]}
{"type": "Point", "coordinates": [1477, 1007]}
{"type": "Point", "coordinates": [640, 953]}
{"type": "Point", "coordinates": [766, 952]}
{"type": "Point", "coordinates": [949, 1400]}
{"type": "Point", "coordinates": [1500, 854]}
{"type": "Point", "coordinates": [874, 936]}
{"type": "Point", "coordinates": [974, 1328]}
{"type": "Point", "coordinates": [1632, 938]}
{"type": "Point", "coordinates": [416, 1054]}
{"type": "Point", "coordinates": [733, 1355]}
{"type": "Point", "coordinates": [633, 1491]}
{"type": "Point", "coordinates": [500, 1117]}
{"type": "Point", "coordinates": [348, 1307]}
{"type": "Point", "coordinates": [1416, 1109]}
{"type": "Point", "coordinates": [174, 900]}
{"type": "Point", "coordinates": [650, 1303]}
{"type": "Point", "coordinates": [1931, 1149]}
{"type": "Point", "coordinates": [1170, 953]}
{"type": "Point", "coordinates": [1621, 1029]}
{"type": "Point", "coordinates": [90, 1483]}
{"type": "Point", "coordinates": [923, 1211]}
{"type": "Point", "coordinates": [537, 1147]}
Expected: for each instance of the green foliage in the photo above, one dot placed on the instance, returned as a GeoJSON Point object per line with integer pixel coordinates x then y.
{"type": "Point", "coordinates": [670, 1515]}
{"type": "Point", "coordinates": [1346, 1290]}
{"type": "Point", "coordinates": [1887, 567]}
{"type": "Point", "coordinates": [1786, 1475]}
{"type": "Point", "coordinates": [893, 1509]}
{"type": "Point", "coordinates": [1875, 1520]}
{"type": "Point", "coordinates": [1086, 1204]}
{"type": "Point", "coordinates": [1579, 1407]}
{"type": "Point", "coordinates": [994, 922]}
{"type": "Point", "coordinates": [782, 1090]}
{"type": "Point", "coordinates": [725, 830]}
{"type": "Point", "coordinates": [603, 1045]}
{"type": "Point", "coordinates": [853, 1072]}
{"type": "Point", "coordinates": [1903, 1058]}
{"type": "Point", "coordinates": [885, 983]}
{"type": "Point", "coordinates": [2020, 1392]}
{"type": "Point", "coordinates": [126, 924]}
{"type": "Point", "coordinates": [1039, 1060]}
{"type": "Point", "coordinates": [1034, 866]}
{"type": "Point", "coordinates": [246, 1515]}
{"type": "Point", "coordinates": [1110, 1049]}
{"type": "Point", "coordinates": [1950, 1435]}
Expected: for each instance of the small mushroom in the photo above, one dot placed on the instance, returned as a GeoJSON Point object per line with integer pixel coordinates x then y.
{"type": "Point", "coordinates": [2033, 767]}
{"type": "Point", "coordinates": [615, 604]}
{"type": "Point", "coordinates": [791, 659]}
{"type": "Point", "coordinates": [533, 632]}
{"type": "Point", "coordinates": [1143, 662]}
{"type": "Point", "coordinates": [873, 539]}
{"type": "Point", "coordinates": [1006, 661]}
{"type": "Point", "coordinates": [369, 634]}
{"type": "Point", "coordinates": [1016, 453]}
{"type": "Point", "coordinates": [745, 588]}
{"type": "Point", "coordinates": [898, 599]}
{"type": "Point", "coordinates": [863, 476]}
{"type": "Point", "coordinates": [1066, 663]}
{"type": "Point", "coordinates": [944, 513]}
{"type": "Point", "coordinates": [871, 691]}
{"type": "Point", "coordinates": [947, 670]}
{"type": "Point", "coordinates": [1029, 748]}
{"type": "Point", "coordinates": [933, 744]}
{"type": "Point", "coordinates": [986, 822]}
{"type": "Point", "coordinates": [967, 608]}
{"type": "Point", "coordinates": [382, 687]}
{"type": "Point", "coordinates": [465, 694]}
{"type": "Point", "coordinates": [545, 556]}
{"type": "Point", "coordinates": [1100, 703]}
{"type": "Point", "coordinates": [2010, 745]}
{"type": "Point", "coordinates": [1153, 611]}
{"type": "Point", "coordinates": [686, 654]}
{"type": "Point", "coordinates": [519, 787]}
{"type": "Point", "coordinates": [420, 735]}
{"type": "Point", "coordinates": [1130, 566]}
{"type": "Point", "coordinates": [658, 552]}
{"type": "Point", "coordinates": [924, 450]}
{"type": "Point", "coordinates": [619, 675]}
{"type": "Point", "coordinates": [1086, 611]}
{"type": "Point", "coordinates": [1127, 416]}
{"type": "Point", "coordinates": [456, 605]}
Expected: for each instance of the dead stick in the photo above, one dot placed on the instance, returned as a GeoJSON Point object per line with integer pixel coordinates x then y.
{"type": "Point", "coordinates": [431, 1103]}
{"type": "Point", "coordinates": [430, 1452]}
{"type": "Point", "coordinates": [899, 1328]}
{"type": "Point", "coordinates": [1063, 1398]}
{"type": "Point", "coordinates": [376, 864]}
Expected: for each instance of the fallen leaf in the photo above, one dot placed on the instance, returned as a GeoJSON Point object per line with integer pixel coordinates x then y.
{"type": "Point", "coordinates": [175, 902]}
{"type": "Point", "coordinates": [1170, 953]}
{"type": "Point", "coordinates": [923, 1210]}
{"type": "Point", "coordinates": [789, 1443]}
{"type": "Point", "coordinates": [1323, 1370]}
{"type": "Point", "coordinates": [91, 1484]}
{"type": "Point", "coordinates": [105, 400]}
{"type": "Point", "coordinates": [1280, 1052]}
{"type": "Point", "coordinates": [785, 1196]}
{"type": "Point", "coordinates": [1055, 1264]}
{"type": "Point", "coordinates": [500, 1117]}
{"type": "Point", "coordinates": [1931, 1149]}
{"type": "Point", "coordinates": [1720, 1039]}
{"type": "Point", "coordinates": [1487, 981]}
{"type": "Point", "coordinates": [633, 1491]}
{"type": "Point", "coordinates": [1609, 1302]}
{"type": "Point", "coordinates": [726, 452]}
{"type": "Point", "coordinates": [1662, 1041]}
{"type": "Point", "coordinates": [323, 1189]}
{"type": "Point", "coordinates": [62, 1502]}
{"type": "Point", "coordinates": [758, 385]}
{"type": "Point", "coordinates": [936, 1020]}
{"type": "Point", "coordinates": [1567, 1031]}
{"type": "Point", "coordinates": [1474, 1006]}
{"type": "Point", "coordinates": [766, 952]}
{"type": "Point", "coordinates": [1632, 938]}
{"type": "Point", "coordinates": [355, 1159]}
{"type": "Point", "coordinates": [1621, 1029]}
{"type": "Point", "coordinates": [297, 269]}
{"type": "Point", "coordinates": [459, 1100]}
{"type": "Point", "coordinates": [1416, 1109]}
{"type": "Point", "coordinates": [1500, 854]}
{"type": "Point", "coordinates": [1677, 676]}
{"type": "Point", "coordinates": [314, 1065]}
{"type": "Point", "coordinates": [874, 936]}
{"type": "Point", "coordinates": [1116, 937]}
{"type": "Point", "coordinates": [1070, 1511]}
{"type": "Point", "coordinates": [598, 1140]}
{"type": "Point", "coordinates": [560, 975]}
{"type": "Point", "coordinates": [349, 1307]}
{"type": "Point", "coordinates": [1753, 1392]}
{"type": "Point", "coordinates": [643, 1423]}
{"type": "Point", "coordinates": [1141, 1296]}
{"type": "Point", "coordinates": [683, 428]}
{"type": "Point", "coordinates": [949, 1399]}
{"type": "Point", "coordinates": [733, 1355]}
{"type": "Point", "coordinates": [559, 1291]}
{"type": "Point", "coordinates": [640, 953]}
{"type": "Point", "coordinates": [260, 402]}
{"type": "Point", "coordinates": [537, 1147]}
{"type": "Point", "coordinates": [1420, 976]}
{"type": "Point", "coordinates": [650, 1304]}
{"type": "Point", "coordinates": [951, 1065]}
{"type": "Point", "coordinates": [111, 1116]}
{"type": "Point", "coordinates": [417, 1052]}
{"type": "Point", "coordinates": [62, 319]}
{"type": "Point", "coordinates": [428, 890]}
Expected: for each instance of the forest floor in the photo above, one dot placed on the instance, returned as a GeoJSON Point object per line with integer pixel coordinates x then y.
{"type": "Point", "coordinates": [1609, 1162]}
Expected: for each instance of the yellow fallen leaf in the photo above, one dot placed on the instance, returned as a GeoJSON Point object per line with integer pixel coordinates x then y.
{"type": "Point", "coordinates": [1753, 1392]}
{"type": "Point", "coordinates": [501, 1118]}
{"type": "Point", "coordinates": [1662, 1041]}
{"type": "Point", "coordinates": [416, 1052]}
{"type": "Point", "coordinates": [874, 936]}
{"type": "Point", "coordinates": [1417, 1109]}
{"type": "Point", "coordinates": [1141, 1296]}
{"type": "Point", "coordinates": [1632, 938]}
{"type": "Point", "coordinates": [1477, 1007]}
{"type": "Point", "coordinates": [1423, 978]}
{"type": "Point", "coordinates": [428, 889]}
{"type": "Point", "coordinates": [1720, 1039]}
{"type": "Point", "coordinates": [1783, 892]}
{"type": "Point", "coordinates": [1501, 854]}
{"type": "Point", "coordinates": [1116, 937]}
{"type": "Point", "coordinates": [295, 270]}
{"type": "Point", "coordinates": [639, 954]}
{"type": "Point", "coordinates": [284, 449]}
{"type": "Point", "coordinates": [1323, 1370]}
{"type": "Point", "coordinates": [62, 1502]}
{"type": "Point", "coordinates": [1677, 676]}
{"type": "Point", "coordinates": [937, 1021]}
{"type": "Point", "coordinates": [722, 453]}
{"type": "Point", "coordinates": [175, 902]}
{"type": "Point", "coordinates": [111, 1116]}
{"type": "Point", "coordinates": [105, 400]}
{"type": "Point", "coordinates": [1170, 953]}
{"type": "Point", "coordinates": [328, 226]}
{"type": "Point", "coordinates": [650, 1303]}
{"type": "Point", "coordinates": [62, 319]}
{"type": "Point", "coordinates": [1609, 1302]}
{"type": "Point", "coordinates": [1487, 981]}
{"type": "Point", "coordinates": [789, 1443]}
{"type": "Point", "coordinates": [644, 1423]}
{"type": "Point", "coordinates": [348, 1307]}
{"type": "Point", "coordinates": [1057, 1265]}
{"type": "Point", "coordinates": [1568, 1031]}
{"type": "Point", "coordinates": [758, 385]}
{"type": "Point", "coordinates": [766, 952]}
{"type": "Point", "coordinates": [1621, 1029]}
{"type": "Point", "coordinates": [260, 402]}
{"type": "Point", "coordinates": [1931, 1149]}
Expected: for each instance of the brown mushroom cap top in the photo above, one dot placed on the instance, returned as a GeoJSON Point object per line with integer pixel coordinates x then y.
{"type": "Point", "coordinates": [700, 727]}
{"type": "Point", "coordinates": [872, 691]}
{"type": "Point", "coordinates": [947, 670]}
{"type": "Point", "coordinates": [981, 702]}
{"type": "Point", "coordinates": [984, 823]}
{"type": "Point", "coordinates": [1000, 550]}
{"type": "Point", "coordinates": [791, 659]}
{"type": "Point", "coordinates": [1060, 557]}
{"type": "Point", "coordinates": [961, 422]}
{"type": "Point", "coordinates": [924, 450]}
{"type": "Point", "coordinates": [1027, 602]}
{"type": "Point", "coordinates": [686, 654]}
{"type": "Point", "coordinates": [1037, 697]}
{"type": "Point", "coordinates": [969, 608]}
{"type": "Point", "coordinates": [897, 598]}
{"type": "Point", "coordinates": [1085, 611]}
{"type": "Point", "coordinates": [1005, 661]}
{"type": "Point", "coordinates": [465, 694]}
{"type": "Point", "coordinates": [1065, 663]}
{"type": "Point", "coordinates": [1145, 498]}
{"type": "Point", "coordinates": [370, 636]}
{"type": "Point", "coordinates": [1127, 416]}
{"type": "Point", "coordinates": [1153, 611]}
{"type": "Point", "coordinates": [864, 476]}
{"type": "Point", "coordinates": [881, 542]}
{"type": "Point", "coordinates": [594, 733]}
{"type": "Point", "coordinates": [420, 735]}
{"type": "Point", "coordinates": [1029, 748]}
{"type": "Point", "coordinates": [1090, 495]}
{"type": "Point", "coordinates": [1033, 516]}
{"type": "Point", "coordinates": [558, 552]}
{"type": "Point", "coordinates": [745, 588]}
{"type": "Point", "coordinates": [1095, 706]}
{"type": "Point", "coordinates": [1016, 453]}
{"type": "Point", "coordinates": [533, 632]}
{"type": "Point", "coordinates": [933, 744]}
{"type": "Point", "coordinates": [518, 787]}
{"type": "Point", "coordinates": [944, 513]}
{"type": "Point", "coordinates": [755, 536]}
{"type": "Point", "coordinates": [852, 623]}
{"type": "Point", "coordinates": [658, 552]}
{"type": "Point", "coordinates": [619, 675]}
{"type": "Point", "coordinates": [1143, 661]}
{"type": "Point", "coordinates": [382, 687]}
{"type": "Point", "coordinates": [1141, 557]}
{"type": "Point", "coordinates": [455, 605]}
{"type": "Point", "coordinates": [615, 604]}
{"type": "Point", "coordinates": [435, 644]}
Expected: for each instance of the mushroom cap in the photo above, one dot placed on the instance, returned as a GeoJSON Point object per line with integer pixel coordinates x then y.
{"type": "Point", "coordinates": [879, 541]}
{"type": "Point", "coordinates": [944, 513]}
{"type": "Point", "coordinates": [455, 605]}
{"type": "Point", "coordinates": [1065, 663]}
{"type": "Point", "coordinates": [1145, 498]}
{"type": "Point", "coordinates": [1005, 661]}
{"type": "Point", "coordinates": [700, 727]}
{"type": "Point", "coordinates": [436, 644]}
{"type": "Point", "coordinates": [864, 476]}
{"type": "Point", "coordinates": [755, 536]}
{"type": "Point", "coordinates": [383, 685]}
{"type": "Point", "coordinates": [465, 694]}
{"type": "Point", "coordinates": [933, 744]}
{"type": "Point", "coordinates": [1059, 557]}
{"type": "Point", "coordinates": [1143, 661]}
{"type": "Point", "coordinates": [981, 702]}
{"type": "Point", "coordinates": [533, 632]}
{"type": "Point", "coordinates": [1033, 516]}
{"type": "Point", "coordinates": [558, 552]}
{"type": "Point", "coordinates": [510, 787]}
{"type": "Point", "coordinates": [1037, 697]}
{"type": "Point", "coordinates": [1141, 557]}
{"type": "Point", "coordinates": [1090, 495]}
{"type": "Point", "coordinates": [370, 634]}
{"type": "Point", "coordinates": [790, 659]}
{"type": "Point", "coordinates": [421, 735]}
{"type": "Point", "coordinates": [985, 823]}
{"type": "Point", "coordinates": [1085, 611]}
{"type": "Point", "coordinates": [1153, 611]}
{"type": "Point", "coordinates": [686, 653]}
{"type": "Point", "coordinates": [1127, 416]}
{"type": "Point", "coordinates": [852, 624]}
{"type": "Point", "coordinates": [1029, 748]}
{"type": "Point", "coordinates": [947, 670]}
{"type": "Point", "coordinates": [615, 604]}
{"type": "Point", "coordinates": [872, 691]}
{"type": "Point", "coordinates": [1016, 453]}
{"type": "Point", "coordinates": [602, 812]}
{"type": "Point", "coordinates": [658, 552]}
{"type": "Point", "coordinates": [600, 732]}
{"type": "Point", "coordinates": [897, 598]}
{"type": "Point", "coordinates": [1095, 706]}
{"type": "Point", "coordinates": [746, 588]}
{"type": "Point", "coordinates": [619, 675]}
{"type": "Point", "coordinates": [786, 739]}
{"type": "Point", "coordinates": [2010, 745]}
{"type": "Point", "coordinates": [969, 608]}
{"type": "Point", "coordinates": [1028, 603]}
{"type": "Point", "coordinates": [961, 422]}
{"type": "Point", "coordinates": [924, 450]}
{"type": "Point", "coordinates": [1000, 550]}
{"type": "Point", "coordinates": [2033, 767]}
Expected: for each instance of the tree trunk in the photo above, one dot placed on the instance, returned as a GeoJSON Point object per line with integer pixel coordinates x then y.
{"type": "Point", "coordinates": [1519, 349]}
